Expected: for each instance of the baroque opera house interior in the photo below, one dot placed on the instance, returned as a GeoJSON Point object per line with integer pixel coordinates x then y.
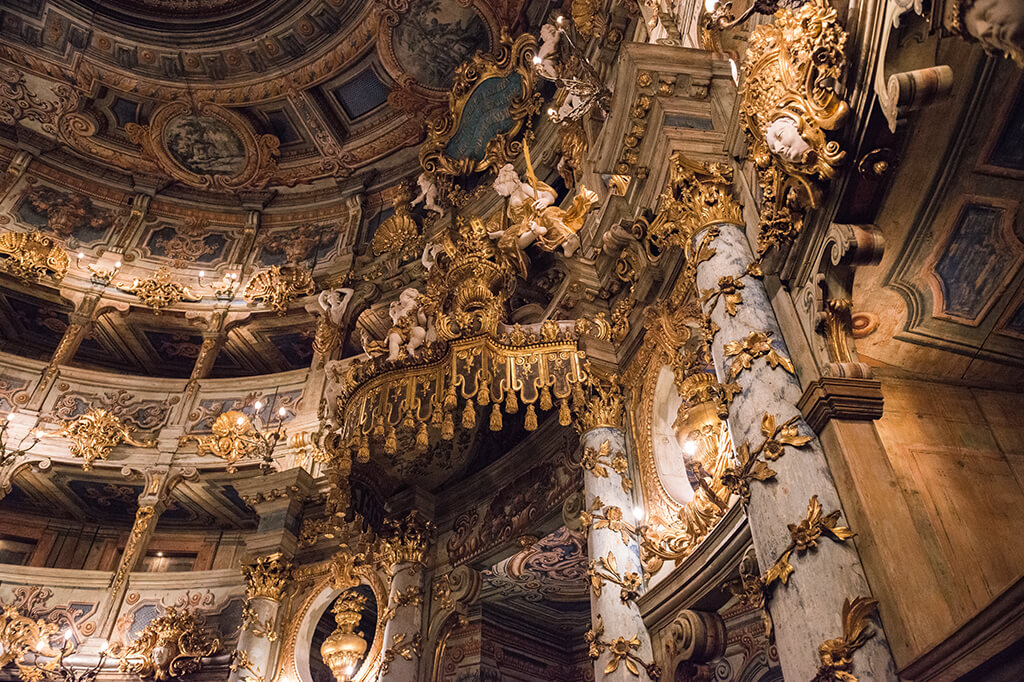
{"type": "Point", "coordinates": [511, 340]}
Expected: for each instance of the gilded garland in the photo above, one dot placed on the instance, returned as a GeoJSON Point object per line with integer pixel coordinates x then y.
{"type": "Point", "coordinates": [159, 291]}
{"type": "Point", "coordinates": [95, 434]}
{"type": "Point", "coordinates": [790, 100]}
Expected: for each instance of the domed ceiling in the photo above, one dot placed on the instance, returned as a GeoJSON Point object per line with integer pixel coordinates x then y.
{"type": "Point", "coordinates": [196, 144]}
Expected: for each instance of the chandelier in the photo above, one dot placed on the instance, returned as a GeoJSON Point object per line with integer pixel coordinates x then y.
{"type": "Point", "coordinates": [236, 436]}
{"type": "Point", "coordinates": [477, 366]}
{"type": "Point", "coordinates": [561, 61]}
{"type": "Point", "coordinates": [9, 454]}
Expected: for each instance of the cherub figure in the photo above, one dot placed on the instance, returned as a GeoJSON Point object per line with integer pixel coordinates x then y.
{"type": "Point", "coordinates": [784, 139]}
{"type": "Point", "coordinates": [409, 325]}
{"type": "Point", "coordinates": [533, 217]}
{"type": "Point", "coordinates": [546, 57]}
{"type": "Point", "coordinates": [427, 195]}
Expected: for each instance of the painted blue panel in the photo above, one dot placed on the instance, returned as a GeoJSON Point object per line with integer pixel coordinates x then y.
{"type": "Point", "coordinates": [362, 94]}
{"type": "Point", "coordinates": [975, 263]}
{"type": "Point", "coordinates": [485, 115]}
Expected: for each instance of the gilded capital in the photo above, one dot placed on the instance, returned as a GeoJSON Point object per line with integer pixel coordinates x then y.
{"type": "Point", "coordinates": [699, 194]}
{"type": "Point", "coordinates": [405, 540]}
{"type": "Point", "coordinates": [267, 577]}
{"type": "Point", "coordinates": [598, 401]}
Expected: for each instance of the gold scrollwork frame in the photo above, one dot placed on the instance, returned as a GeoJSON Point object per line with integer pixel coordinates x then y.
{"type": "Point", "coordinates": [320, 575]}
{"type": "Point", "coordinates": [686, 524]}
{"type": "Point", "coordinates": [510, 57]}
{"type": "Point", "coordinates": [260, 150]}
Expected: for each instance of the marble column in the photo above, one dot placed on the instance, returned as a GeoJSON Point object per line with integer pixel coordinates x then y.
{"type": "Point", "coordinates": [616, 624]}
{"type": "Point", "coordinates": [404, 554]}
{"type": "Point", "coordinates": [808, 610]}
{"type": "Point", "coordinates": [267, 581]}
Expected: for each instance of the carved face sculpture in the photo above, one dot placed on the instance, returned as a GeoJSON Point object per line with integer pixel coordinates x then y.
{"type": "Point", "coordinates": [785, 141]}
{"type": "Point", "coordinates": [998, 25]}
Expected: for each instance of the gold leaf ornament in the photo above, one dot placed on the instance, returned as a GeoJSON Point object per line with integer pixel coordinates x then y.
{"type": "Point", "coordinates": [753, 346]}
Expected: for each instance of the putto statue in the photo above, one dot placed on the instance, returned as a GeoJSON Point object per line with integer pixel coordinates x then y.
{"type": "Point", "coordinates": [997, 24]}
{"type": "Point", "coordinates": [333, 303]}
{"type": "Point", "coordinates": [533, 217]}
{"type": "Point", "coordinates": [427, 195]}
{"type": "Point", "coordinates": [411, 328]}
{"type": "Point", "coordinates": [546, 58]}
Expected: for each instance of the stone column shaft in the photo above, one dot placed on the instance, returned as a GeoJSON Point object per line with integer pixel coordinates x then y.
{"type": "Point", "coordinates": [267, 581]}
{"type": "Point", "coordinates": [403, 639]}
{"type": "Point", "coordinates": [608, 611]}
{"type": "Point", "coordinates": [806, 611]}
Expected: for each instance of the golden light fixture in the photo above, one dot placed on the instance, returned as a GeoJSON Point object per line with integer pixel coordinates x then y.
{"type": "Point", "coordinates": [344, 648]}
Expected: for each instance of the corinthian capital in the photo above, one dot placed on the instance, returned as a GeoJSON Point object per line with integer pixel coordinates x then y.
{"type": "Point", "coordinates": [698, 194]}
{"type": "Point", "coordinates": [598, 401]}
{"type": "Point", "coordinates": [267, 577]}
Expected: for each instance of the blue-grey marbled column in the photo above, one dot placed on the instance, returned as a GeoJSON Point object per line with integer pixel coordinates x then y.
{"type": "Point", "coordinates": [807, 611]}
{"type": "Point", "coordinates": [262, 652]}
{"type": "Point", "coordinates": [620, 620]}
{"type": "Point", "coordinates": [406, 622]}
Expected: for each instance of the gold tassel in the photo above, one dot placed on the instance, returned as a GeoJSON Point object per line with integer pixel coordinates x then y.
{"type": "Point", "coordinates": [391, 442]}
{"type": "Point", "coordinates": [483, 396]}
{"type": "Point", "coordinates": [378, 429]}
{"type": "Point", "coordinates": [545, 399]}
{"type": "Point", "coordinates": [447, 426]}
{"type": "Point", "coordinates": [564, 417]}
{"type": "Point", "coordinates": [421, 438]}
{"type": "Point", "coordinates": [407, 422]}
{"type": "Point", "coordinates": [449, 399]}
{"type": "Point", "coordinates": [469, 415]}
{"type": "Point", "coordinates": [363, 453]}
{"type": "Point", "coordinates": [511, 403]}
{"type": "Point", "coordinates": [531, 418]}
{"type": "Point", "coordinates": [495, 417]}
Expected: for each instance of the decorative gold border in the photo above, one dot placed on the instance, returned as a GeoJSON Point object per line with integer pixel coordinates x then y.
{"type": "Point", "coordinates": [320, 573]}
{"type": "Point", "coordinates": [260, 150]}
{"type": "Point", "coordinates": [512, 56]}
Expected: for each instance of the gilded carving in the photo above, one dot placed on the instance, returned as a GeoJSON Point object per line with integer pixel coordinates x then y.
{"type": "Point", "coordinates": [699, 194]}
{"type": "Point", "coordinates": [235, 437]}
{"type": "Point", "coordinates": [511, 62]}
{"type": "Point", "coordinates": [159, 291]}
{"type": "Point", "coordinates": [399, 235]}
{"type": "Point", "coordinates": [792, 73]}
{"type": "Point", "coordinates": [751, 347]}
{"type": "Point", "coordinates": [606, 569]}
{"type": "Point", "coordinates": [267, 577]}
{"type": "Point", "coordinates": [278, 285]}
{"type": "Point", "coordinates": [597, 462]}
{"type": "Point", "coordinates": [620, 650]}
{"type": "Point", "coordinates": [598, 401]}
{"type": "Point", "coordinates": [804, 536]}
{"type": "Point", "coordinates": [94, 434]}
{"type": "Point", "coordinates": [32, 256]}
{"type": "Point", "coordinates": [171, 645]}
{"type": "Point", "coordinates": [836, 655]}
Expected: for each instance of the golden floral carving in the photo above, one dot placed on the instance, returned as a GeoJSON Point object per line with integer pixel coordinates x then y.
{"type": "Point", "coordinates": [94, 434]}
{"type": "Point", "coordinates": [29, 256]}
{"type": "Point", "coordinates": [598, 401]}
{"type": "Point", "coordinates": [612, 519]}
{"type": "Point", "coordinates": [749, 467]}
{"type": "Point", "coordinates": [19, 635]}
{"type": "Point", "coordinates": [240, 661]}
{"type": "Point", "coordinates": [804, 536]}
{"type": "Point", "coordinates": [159, 291]}
{"type": "Point", "coordinates": [252, 622]}
{"type": "Point", "coordinates": [234, 437]}
{"type": "Point", "coordinates": [404, 541]}
{"type": "Point", "coordinates": [598, 462]}
{"type": "Point", "coordinates": [753, 346]}
{"type": "Point", "coordinates": [171, 645]}
{"type": "Point", "coordinates": [621, 650]}
{"type": "Point", "coordinates": [401, 646]}
{"type": "Point", "coordinates": [277, 286]}
{"type": "Point", "coordinates": [699, 194]}
{"type": "Point", "coordinates": [836, 655]}
{"type": "Point", "coordinates": [606, 569]}
{"type": "Point", "coordinates": [791, 74]}
{"type": "Point", "coordinates": [399, 235]}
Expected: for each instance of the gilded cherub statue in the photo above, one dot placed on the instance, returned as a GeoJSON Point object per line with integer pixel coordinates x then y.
{"type": "Point", "coordinates": [533, 217]}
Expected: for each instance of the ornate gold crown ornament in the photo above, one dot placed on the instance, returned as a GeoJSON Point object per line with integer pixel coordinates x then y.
{"type": "Point", "coordinates": [30, 256]}
{"type": "Point", "coordinates": [279, 285]}
{"type": "Point", "coordinates": [94, 434]}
